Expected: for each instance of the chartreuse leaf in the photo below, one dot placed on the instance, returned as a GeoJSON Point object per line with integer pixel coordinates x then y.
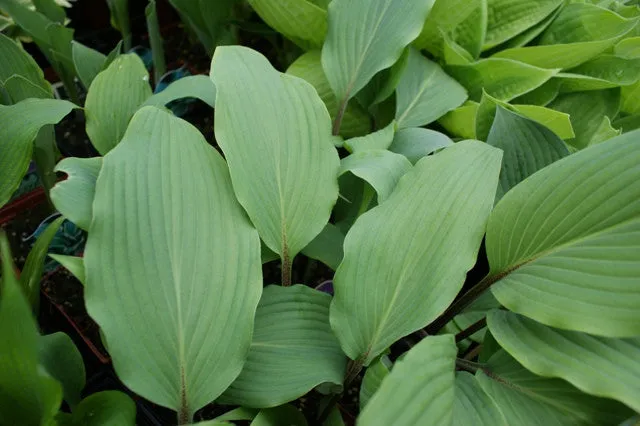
{"type": "Point", "coordinates": [373, 378]}
{"type": "Point", "coordinates": [376, 303]}
{"type": "Point", "coordinates": [107, 111]}
{"type": "Point", "coordinates": [527, 399]}
{"type": "Point", "coordinates": [380, 168]}
{"type": "Point", "coordinates": [355, 122]}
{"type": "Point", "coordinates": [111, 408]}
{"type": "Point", "coordinates": [425, 92]}
{"type": "Point", "coordinates": [88, 62]}
{"type": "Point", "coordinates": [415, 143]}
{"type": "Point", "coordinates": [461, 121]}
{"type": "Point", "coordinates": [470, 34]}
{"type": "Point", "coordinates": [73, 197]}
{"type": "Point", "coordinates": [20, 124]}
{"type": "Point", "coordinates": [531, 33]}
{"type": "Point", "coordinates": [193, 86]}
{"type": "Point", "coordinates": [586, 110]}
{"type": "Point", "coordinates": [420, 388]}
{"type": "Point", "coordinates": [600, 366]}
{"type": "Point", "coordinates": [454, 54]}
{"type": "Point", "coordinates": [301, 21]}
{"type": "Point", "coordinates": [543, 95]}
{"type": "Point", "coordinates": [279, 416]}
{"type": "Point", "coordinates": [377, 140]}
{"type": "Point", "coordinates": [33, 267]}
{"type": "Point", "coordinates": [196, 265]}
{"type": "Point", "coordinates": [73, 264]}
{"type": "Point", "coordinates": [628, 48]}
{"type": "Point", "coordinates": [28, 395]}
{"type": "Point", "coordinates": [503, 79]}
{"type": "Point", "coordinates": [289, 197]}
{"type": "Point", "coordinates": [367, 36]}
{"type": "Point", "coordinates": [444, 17]}
{"type": "Point", "coordinates": [15, 61]}
{"type": "Point", "coordinates": [472, 405]}
{"type": "Point", "coordinates": [327, 246]}
{"type": "Point", "coordinates": [508, 18]}
{"type": "Point", "coordinates": [527, 146]}
{"type": "Point", "coordinates": [610, 68]}
{"type": "Point", "coordinates": [292, 351]}
{"type": "Point", "coordinates": [556, 121]}
{"type": "Point", "coordinates": [63, 361]}
{"type": "Point", "coordinates": [548, 238]}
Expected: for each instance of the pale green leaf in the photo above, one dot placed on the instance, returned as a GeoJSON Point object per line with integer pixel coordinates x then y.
{"type": "Point", "coordinates": [470, 34]}
{"type": "Point", "coordinates": [628, 48]}
{"type": "Point", "coordinates": [472, 405]}
{"type": "Point", "coordinates": [63, 361]}
{"type": "Point", "coordinates": [570, 82]}
{"type": "Point", "coordinates": [444, 17]}
{"type": "Point", "coordinates": [556, 121]}
{"type": "Point", "coordinates": [285, 415]}
{"type": "Point", "coordinates": [73, 197]}
{"type": "Point", "coordinates": [377, 140]}
{"type": "Point", "coordinates": [19, 89]}
{"type": "Point", "coordinates": [326, 246]}
{"type": "Point", "coordinates": [454, 54]}
{"type": "Point", "coordinates": [282, 160]}
{"type": "Point", "coordinates": [20, 124]}
{"type": "Point", "coordinates": [107, 109]}
{"type": "Point", "coordinates": [15, 61]}
{"type": "Point", "coordinates": [567, 240]}
{"type": "Point", "coordinates": [604, 132]}
{"type": "Point", "coordinates": [73, 264]}
{"type": "Point", "coordinates": [527, 399]}
{"type": "Point", "coordinates": [503, 79]}
{"type": "Point", "coordinates": [527, 146]}
{"type": "Point", "coordinates": [107, 408]}
{"type": "Point", "coordinates": [195, 265]}
{"type": "Point", "coordinates": [614, 69]}
{"type": "Point", "coordinates": [461, 121]}
{"type": "Point", "coordinates": [88, 62]}
{"type": "Point", "coordinates": [600, 366]}
{"type": "Point", "coordinates": [531, 33]}
{"type": "Point", "coordinates": [355, 121]}
{"type": "Point", "coordinates": [415, 143]}
{"type": "Point", "coordinates": [367, 36]}
{"type": "Point", "coordinates": [420, 390]}
{"type": "Point", "coordinates": [450, 194]}
{"type": "Point", "coordinates": [425, 92]}
{"type": "Point", "coordinates": [292, 351]}
{"type": "Point", "coordinates": [627, 124]}
{"type": "Point", "coordinates": [376, 372]}
{"type": "Point", "coordinates": [543, 95]}
{"type": "Point", "coordinates": [630, 97]}
{"type": "Point", "coordinates": [193, 86]}
{"type": "Point", "coordinates": [299, 20]}
{"type": "Point", "coordinates": [28, 396]}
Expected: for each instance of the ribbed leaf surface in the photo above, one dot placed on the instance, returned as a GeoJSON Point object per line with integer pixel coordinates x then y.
{"type": "Point", "coordinates": [472, 405]}
{"type": "Point", "coordinates": [73, 197]}
{"type": "Point", "coordinates": [416, 142]}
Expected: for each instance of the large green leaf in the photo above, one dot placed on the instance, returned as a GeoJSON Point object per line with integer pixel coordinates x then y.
{"type": "Point", "coordinates": [527, 399]}
{"type": "Point", "coordinates": [293, 349]}
{"type": "Point", "coordinates": [531, 33]}
{"type": "Point", "coordinates": [194, 86]}
{"type": "Point", "coordinates": [600, 366]}
{"type": "Point", "coordinates": [450, 194]}
{"type": "Point", "coordinates": [472, 405]}
{"type": "Point", "coordinates": [73, 197]}
{"type": "Point", "coordinates": [282, 160]}
{"type": "Point", "coordinates": [15, 61]}
{"type": "Point", "coordinates": [527, 146]}
{"type": "Point", "coordinates": [461, 121]}
{"type": "Point", "coordinates": [610, 68]}
{"type": "Point", "coordinates": [107, 408]}
{"type": "Point", "coordinates": [503, 79]}
{"type": "Point", "coordinates": [299, 20]}
{"type": "Point", "coordinates": [19, 89]}
{"type": "Point", "coordinates": [380, 139]}
{"type": "Point", "coordinates": [88, 62]}
{"type": "Point", "coordinates": [20, 124]}
{"type": "Point", "coordinates": [107, 109]}
{"type": "Point", "coordinates": [172, 267]}
{"type": "Point", "coordinates": [470, 34]}
{"type": "Point", "coordinates": [444, 17]}
{"type": "Point", "coordinates": [419, 390]}
{"type": "Point", "coordinates": [508, 18]}
{"type": "Point", "coordinates": [63, 361]}
{"type": "Point", "coordinates": [367, 36]}
{"type": "Point", "coordinates": [565, 242]}
{"type": "Point", "coordinates": [373, 377]}
{"type": "Point", "coordinates": [308, 66]}
{"type": "Point", "coordinates": [425, 92]}
{"type": "Point", "coordinates": [326, 246]}
{"type": "Point", "coordinates": [28, 395]}
{"type": "Point", "coordinates": [415, 143]}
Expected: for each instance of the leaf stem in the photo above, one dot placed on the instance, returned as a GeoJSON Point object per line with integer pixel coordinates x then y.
{"type": "Point", "coordinates": [286, 270]}
{"type": "Point", "coordinates": [473, 328]}
{"type": "Point", "coordinates": [338, 120]}
{"type": "Point", "coordinates": [353, 369]}
{"type": "Point", "coordinates": [470, 366]}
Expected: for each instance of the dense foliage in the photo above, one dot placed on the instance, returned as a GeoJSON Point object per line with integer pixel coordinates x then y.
{"type": "Point", "coordinates": [408, 141]}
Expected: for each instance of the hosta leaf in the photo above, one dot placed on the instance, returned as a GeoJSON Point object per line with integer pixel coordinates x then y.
{"type": "Point", "coordinates": [531, 33]}
{"type": "Point", "coordinates": [599, 366]}
{"type": "Point", "coordinates": [508, 18]}
{"type": "Point", "coordinates": [376, 140]}
{"type": "Point", "coordinates": [19, 89]}
{"type": "Point", "coordinates": [376, 303]}
{"type": "Point", "coordinates": [367, 36]}
{"type": "Point", "coordinates": [327, 246]}
{"type": "Point", "coordinates": [614, 69]}
{"type": "Point", "coordinates": [556, 121]}
{"type": "Point", "coordinates": [193, 86]}
{"type": "Point", "coordinates": [461, 121]}
{"type": "Point", "coordinates": [293, 349]}
{"type": "Point", "coordinates": [527, 399]}
{"type": "Point", "coordinates": [420, 388]}
{"type": "Point", "coordinates": [88, 62]}
{"type": "Point", "coordinates": [628, 48]}
{"type": "Point", "coordinates": [20, 124]}
{"type": "Point", "coordinates": [107, 111]}
{"type": "Point", "coordinates": [284, 174]}
{"type": "Point", "coordinates": [415, 143]}
{"type": "Point", "coordinates": [280, 416]}
{"type": "Point", "coordinates": [552, 233]}
{"type": "Point", "coordinates": [380, 168]}
{"type": "Point", "coordinates": [604, 132]}
{"type": "Point", "coordinates": [240, 413]}
{"type": "Point", "coordinates": [527, 146]}
{"type": "Point", "coordinates": [627, 124]}
{"type": "Point", "coordinates": [15, 61]}
{"type": "Point", "coordinates": [425, 92]}
{"type": "Point", "coordinates": [195, 265]}
{"type": "Point", "coordinates": [63, 361]}
{"type": "Point", "coordinates": [543, 95]}
{"type": "Point", "coordinates": [73, 264]}
{"type": "Point", "coordinates": [472, 405]}
{"type": "Point", "coordinates": [299, 20]}
{"type": "Point", "coordinates": [630, 99]}
{"type": "Point", "coordinates": [373, 378]}
{"type": "Point", "coordinates": [503, 79]}
{"type": "Point", "coordinates": [444, 17]}
{"type": "Point", "coordinates": [355, 122]}
{"type": "Point", "coordinates": [105, 408]}
{"type": "Point", "coordinates": [586, 110]}
{"type": "Point", "coordinates": [28, 396]}
{"type": "Point", "coordinates": [470, 33]}
{"type": "Point", "coordinates": [454, 54]}
{"type": "Point", "coordinates": [73, 197]}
